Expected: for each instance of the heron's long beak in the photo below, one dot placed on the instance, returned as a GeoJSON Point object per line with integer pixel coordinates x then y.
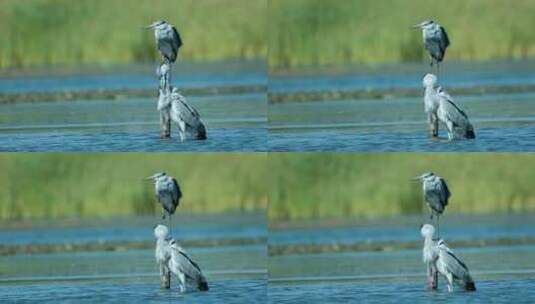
{"type": "Point", "coordinates": [417, 26]}
{"type": "Point", "coordinates": [416, 178]}
{"type": "Point", "coordinates": [148, 27]}
{"type": "Point", "coordinates": [149, 178]}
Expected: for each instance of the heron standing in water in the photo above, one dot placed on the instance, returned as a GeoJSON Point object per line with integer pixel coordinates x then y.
{"type": "Point", "coordinates": [445, 262]}
{"type": "Point", "coordinates": [436, 194]}
{"type": "Point", "coordinates": [167, 192]}
{"type": "Point", "coordinates": [167, 39]}
{"type": "Point", "coordinates": [173, 258]}
{"type": "Point", "coordinates": [436, 40]}
{"type": "Point", "coordinates": [439, 106]}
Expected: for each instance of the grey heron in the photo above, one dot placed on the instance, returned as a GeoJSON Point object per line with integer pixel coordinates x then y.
{"type": "Point", "coordinates": [439, 106]}
{"type": "Point", "coordinates": [167, 192]}
{"type": "Point", "coordinates": [181, 112]}
{"type": "Point", "coordinates": [167, 38]}
{"type": "Point", "coordinates": [436, 40]}
{"type": "Point", "coordinates": [453, 269]}
{"type": "Point", "coordinates": [176, 260]}
{"type": "Point", "coordinates": [430, 254]}
{"type": "Point", "coordinates": [188, 272]}
{"type": "Point", "coordinates": [436, 194]}
{"type": "Point", "coordinates": [186, 117]}
{"type": "Point", "coordinates": [445, 261]}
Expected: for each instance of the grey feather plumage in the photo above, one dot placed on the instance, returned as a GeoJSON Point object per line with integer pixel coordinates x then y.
{"type": "Point", "coordinates": [435, 38]}
{"type": "Point", "coordinates": [452, 268]}
{"type": "Point", "coordinates": [172, 258]}
{"type": "Point", "coordinates": [439, 258]}
{"type": "Point", "coordinates": [189, 271]}
{"type": "Point", "coordinates": [168, 40]}
{"type": "Point", "coordinates": [167, 191]}
{"type": "Point", "coordinates": [440, 106]}
{"type": "Point", "coordinates": [437, 194]}
{"type": "Point", "coordinates": [186, 116]}
{"type": "Point", "coordinates": [453, 117]}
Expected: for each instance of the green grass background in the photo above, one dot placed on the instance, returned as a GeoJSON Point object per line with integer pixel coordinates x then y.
{"type": "Point", "coordinates": [66, 32]}
{"type": "Point", "coordinates": [65, 185]}
{"type": "Point", "coordinates": [361, 185]}
{"type": "Point", "coordinates": [337, 32]}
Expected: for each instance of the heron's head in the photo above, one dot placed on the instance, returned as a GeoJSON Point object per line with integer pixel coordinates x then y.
{"type": "Point", "coordinates": [430, 81]}
{"type": "Point", "coordinates": [156, 176]}
{"type": "Point", "coordinates": [423, 24]}
{"type": "Point", "coordinates": [156, 24]}
{"type": "Point", "coordinates": [161, 232]}
{"type": "Point", "coordinates": [427, 231]}
{"type": "Point", "coordinates": [423, 176]}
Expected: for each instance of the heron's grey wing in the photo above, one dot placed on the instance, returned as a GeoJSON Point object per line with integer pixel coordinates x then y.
{"type": "Point", "coordinates": [177, 194]}
{"type": "Point", "coordinates": [434, 196]}
{"type": "Point", "coordinates": [166, 45]}
{"type": "Point", "coordinates": [454, 265]}
{"type": "Point", "coordinates": [445, 190]}
{"type": "Point", "coordinates": [453, 112]}
{"type": "Point", "coordinates": [445, 41]}
{"type": "Point", "coordinates": [185, 111]}
{"type": "Point", "coordinates": [166, 196]}
{"type": "Point", "coordinates": [177, 41]}
{"type": "Point", "coordinates": [185, 264]}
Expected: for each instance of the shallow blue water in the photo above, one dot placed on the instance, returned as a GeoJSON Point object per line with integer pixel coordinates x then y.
{"type": "Point", "coordinates": [121, 77]}
{"type": "Point", "coordinates": [407, 229]}
{"type": "Point", "coordinates": [503, 274]}
{"type": "Point", "coordinates": [221, 291]}
{"type": "Point", "coordinates": [234, 123]}
{"type": "Point", "coordinates": [235, 274]}
{"type": "Point", "coordinates": [185, 227]}
{"type": "Point", "coordinates": [501, 122]}
{"type": "Point", "coordinates": [489, 291]}
{"type": "Point", "coordinates": [459, 74]}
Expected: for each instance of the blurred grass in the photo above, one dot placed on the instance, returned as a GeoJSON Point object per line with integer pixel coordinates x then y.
{"type": "Point", "coordinates": [336, 32]}
{"type": "Point", "coordinates": [365, 185]}
{"type": "Point", "coordinates": [65, 32]}
{"type": "Point", "coordinates": [59, 185]}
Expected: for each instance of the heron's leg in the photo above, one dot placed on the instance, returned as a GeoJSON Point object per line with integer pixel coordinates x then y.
{"type": "Point", "coordinates": [169, 219]}
{"type": "Point", "coordinates": [449, 124]}
{"type": "Point", "coordinates": [435, 277]}
{"type": "Point", "coordinates": [165, 276]}
{"type": "Point", "coordinates": [182, 127]}
{"type": "Point", "coordinates": [432, 276]}
{"type": "Point", "coordinates": [438, 68]}
{"type": "Point", "coordinates": [438, 226]}
{"type": "Point", "coordinates": [165, 123]}
{"type": "Point", "coordinates": [429, 275]}
{"type": "Point", "coordinates": [449, 277]}
{"type": "Point", "coordinates": [433, 124]}
{"type": "Point", "coordinates": [182, 279]}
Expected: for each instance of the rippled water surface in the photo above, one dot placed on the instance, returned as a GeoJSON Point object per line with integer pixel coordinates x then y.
{"type": "Point", "coordinates": [234, 123]}
{"type": "Point", "coordinates": [502, 273]}
{"type": "Point", "coordinates": [235, 274]}
{"type": "Point", "coordinates": [503, 122]}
